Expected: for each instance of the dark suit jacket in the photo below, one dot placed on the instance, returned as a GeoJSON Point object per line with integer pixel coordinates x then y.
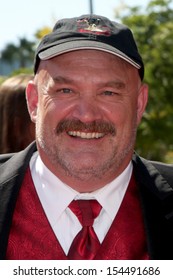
{"type": "Point", "coordinates": [155, 181]}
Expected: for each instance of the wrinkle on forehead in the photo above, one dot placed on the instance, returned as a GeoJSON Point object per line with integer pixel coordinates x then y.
{"type": "Point", "coordinates": [48, 69]}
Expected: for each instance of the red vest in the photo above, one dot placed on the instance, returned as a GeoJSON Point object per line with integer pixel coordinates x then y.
{"type": "Point", "coordinates": [31, 236]}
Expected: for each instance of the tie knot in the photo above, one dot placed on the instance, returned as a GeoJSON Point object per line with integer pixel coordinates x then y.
{"type": "Point", "coordinates": [85, 210]}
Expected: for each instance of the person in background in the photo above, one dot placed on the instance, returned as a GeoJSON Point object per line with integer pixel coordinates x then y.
{"type": "Point", "coordinates": [81, 192]}
{"type": "Point", "coordinates": [16, 128]}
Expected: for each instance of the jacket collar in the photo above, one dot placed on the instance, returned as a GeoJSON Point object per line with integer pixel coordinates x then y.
{"type": "Point", "coordinates": [12, 170]}
{"type": "Point", "coordinates": [157, 204]}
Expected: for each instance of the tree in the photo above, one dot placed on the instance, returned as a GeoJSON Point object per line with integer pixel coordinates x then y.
{"type": "Point", "coordinates": [153, 31]}
{"type": "Point", "coordinates": [18, 56]}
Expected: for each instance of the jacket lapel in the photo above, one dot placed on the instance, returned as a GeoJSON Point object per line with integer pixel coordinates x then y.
{"type": "Point", "coordinates": [12, 174]}
{"type": "Point", "coordinates": [157, 204]}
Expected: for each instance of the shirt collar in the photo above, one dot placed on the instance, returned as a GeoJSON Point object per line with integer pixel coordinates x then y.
{"type": "Point", "coordinates": [51, 190]}
{"type": "Point", "coordinates": [53, 193]}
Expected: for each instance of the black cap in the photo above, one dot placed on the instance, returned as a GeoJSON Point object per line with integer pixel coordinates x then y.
{"type": "Point", "coordinates": [90, 32]}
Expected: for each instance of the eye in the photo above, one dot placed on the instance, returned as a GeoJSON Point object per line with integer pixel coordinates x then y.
{"type": "Point", "coordinates": [110, 93]}
{"type": "Point", "coordinates": [66, 90]}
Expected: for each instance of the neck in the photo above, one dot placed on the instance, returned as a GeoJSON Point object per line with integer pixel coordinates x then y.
{"type": "Point", "coordinates": [85, 182]}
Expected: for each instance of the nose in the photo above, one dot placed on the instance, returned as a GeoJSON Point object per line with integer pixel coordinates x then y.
{"type": "Point", "coordinates": [87, 110]}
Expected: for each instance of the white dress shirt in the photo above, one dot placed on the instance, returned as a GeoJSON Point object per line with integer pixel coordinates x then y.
{"type": "Point", "coordinates": [55, 196]}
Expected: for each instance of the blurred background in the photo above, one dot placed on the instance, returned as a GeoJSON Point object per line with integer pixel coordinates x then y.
{"type": "Point", "coordinates": [23, 23]}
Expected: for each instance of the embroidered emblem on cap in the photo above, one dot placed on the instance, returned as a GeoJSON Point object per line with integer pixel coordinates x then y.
{"type": "Point", "coordinates": [93, 26]}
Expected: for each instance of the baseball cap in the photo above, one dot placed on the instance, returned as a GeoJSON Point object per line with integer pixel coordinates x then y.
{"type": "Point", "coordinates": [90, 32]}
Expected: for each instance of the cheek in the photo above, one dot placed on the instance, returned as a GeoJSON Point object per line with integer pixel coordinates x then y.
{"type": "Point", "coordinates": [51, 113]}
{"type": "Point", "coordinates": [46, 115]}
{"type": "Point", "coordinates": [56, 107]}
{"type": "Point", "coordinates": [124, 117]}
{"type": "Point", "coordinates": [47, 108]}
{"type": "Point", "coordinates": [118, 114]}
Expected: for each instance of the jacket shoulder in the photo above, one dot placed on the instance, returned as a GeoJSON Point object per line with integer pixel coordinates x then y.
{"type": "Point", "coordinates": [151, 172]}
{"type": "Point", "coordinates": [5, 157]}
{"type": "Point", "coordinates": [12, 171]}
{"type": "Point", "coordinates": [166, 170]}
{"type": "Point", "coordinates": [28, 150]}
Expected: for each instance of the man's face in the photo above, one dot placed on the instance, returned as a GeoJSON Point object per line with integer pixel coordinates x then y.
{"type": "Point", "coordinates": [89, 106]}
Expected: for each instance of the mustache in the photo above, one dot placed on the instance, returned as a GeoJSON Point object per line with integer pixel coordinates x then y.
{"type": "Point", "coordinates": [77, 125]}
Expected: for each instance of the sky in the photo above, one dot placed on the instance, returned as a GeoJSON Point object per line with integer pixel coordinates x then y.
{"type": "Point", "coordinates": [21, 18]}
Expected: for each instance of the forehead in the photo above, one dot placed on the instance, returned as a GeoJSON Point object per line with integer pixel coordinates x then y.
{"type": "Point", "coordinates": [85, 58]}
{"type": "Point", "coordinates": [87, 67]}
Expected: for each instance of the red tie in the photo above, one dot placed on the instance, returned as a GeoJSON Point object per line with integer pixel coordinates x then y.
{"type": "Point", "coordinates": [86, 243]}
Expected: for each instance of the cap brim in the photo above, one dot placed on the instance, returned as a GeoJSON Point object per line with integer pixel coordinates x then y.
{"type": "Point", "coordinates": [69, 46]}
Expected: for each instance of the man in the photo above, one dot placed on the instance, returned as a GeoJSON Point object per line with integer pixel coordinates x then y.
{"type": "Point", "coordinates": [81, 192]}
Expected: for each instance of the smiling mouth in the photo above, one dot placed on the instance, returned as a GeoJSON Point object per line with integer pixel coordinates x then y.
{"type": "Point", "coordinates": [93, 130]}
{"type": "Point", "coordinates": [86, 135]}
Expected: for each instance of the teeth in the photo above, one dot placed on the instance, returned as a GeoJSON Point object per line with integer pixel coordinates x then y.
{"type": "Point", "coordinates": [86, 135]}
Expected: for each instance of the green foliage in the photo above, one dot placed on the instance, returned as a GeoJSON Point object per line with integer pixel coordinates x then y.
{"type": "Point", "coordinates": [22, 53]}
{"type": "Point", "coordinates": [22, 70]}
{"type": "Point", "coordinates": [42, 32]}
{"type": "Point", "coordinates": [153, 31]}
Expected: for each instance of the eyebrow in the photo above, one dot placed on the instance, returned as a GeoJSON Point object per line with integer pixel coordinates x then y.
{"type": "Point", "coordinates": [114, 83]}
{"type": "Point", "coordinates": [61, 80]}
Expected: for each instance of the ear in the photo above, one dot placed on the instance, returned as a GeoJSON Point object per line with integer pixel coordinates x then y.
{"type": "Point", "coordinates": [32, 100]}
{"type": "Point", "coordinates": [142, 101]}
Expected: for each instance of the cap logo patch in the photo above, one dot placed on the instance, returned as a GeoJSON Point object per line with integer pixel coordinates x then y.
{"type": "Point", "coordinates": [92, 26]}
